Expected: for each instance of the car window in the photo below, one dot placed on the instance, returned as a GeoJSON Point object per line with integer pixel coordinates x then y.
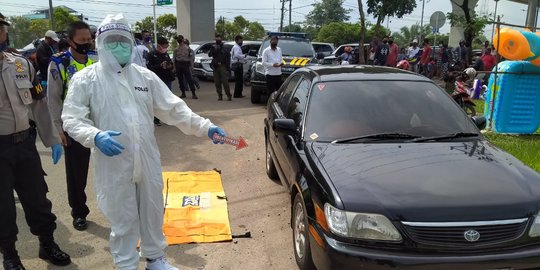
{"type": "Point", "coordinates": [340, 50]}
{"type": "Point", "coordinates": [298, 102]}
{"type": "Point", "coordinates": [227, 47]}
{"type": "Point", "coordinates": [205, 48]}
{"type": "Point", "coordinates": [322, 48]}
{"type": "Point", "coordinates": [292, 47]}
{"type": "Point", "coordinates": [285, 95]}
{"type": "Point", "coordinates": [372, 107]}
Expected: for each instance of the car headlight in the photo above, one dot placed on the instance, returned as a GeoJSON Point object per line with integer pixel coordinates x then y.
{"type": "Point", "coordinates": [197, 60]}
{"type": "Point", "coordinates": [535, 228]}
{"type": "Point", "coordinates": [361, 225]}
{"type": "Point", "coordinates": [259, 68]}
{"type": "Point", "coordinates": [206, 61]}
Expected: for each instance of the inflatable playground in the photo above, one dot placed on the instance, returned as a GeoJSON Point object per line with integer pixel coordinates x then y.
{"type": "Point", "coordinates": [513, 93]}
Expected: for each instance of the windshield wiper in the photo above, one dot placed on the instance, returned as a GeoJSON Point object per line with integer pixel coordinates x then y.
{"type": "Point", "coordinates": [380, 136]}
{"type": "Point", "coordinates": [447, 137]}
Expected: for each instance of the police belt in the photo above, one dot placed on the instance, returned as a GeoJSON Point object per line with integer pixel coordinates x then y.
{"type": "Point", "coordinates": [18, 137]}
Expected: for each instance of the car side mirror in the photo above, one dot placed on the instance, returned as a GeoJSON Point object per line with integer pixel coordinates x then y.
{"type": "Point", "coordinates": [284, 126]}
{"type": "Point", "coordinates": [479, 121]}
{"type": "Point", "coordinates": [252, 53]}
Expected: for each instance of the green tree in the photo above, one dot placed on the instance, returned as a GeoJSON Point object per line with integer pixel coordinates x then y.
{"type": "Point", "coordinates": [62, 19]}
{"type": "Point", "coordinates": [377, 31]}
{"type": "Point", "coordinates": [472, 23]}
{"type": "Point", "coordinates": [327, 11]}
{"type": "Point", "coordinates": [239, 26]}
{"type": "Point", "coordinates": [38, 28]}
{"type": "Point", "coordinates": [165, 25]}
{"type": "Point", "coordinates": [381, 9]}
{"type": "Point", "coordinates": [255, 31]}
{"type": "Point", "coordinates": [407, 34]}
{"type": "Point", "coordinates": [361, 56]}
{"type": "Point", "coordinates": [295, 27]}
{"type": "Point", "coordinates": [19, 32]}
{"type": "Point", "coordinates": [339, 33]}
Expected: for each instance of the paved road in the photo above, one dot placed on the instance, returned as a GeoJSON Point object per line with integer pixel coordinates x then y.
{"type": "Point", "coordinates": [256, 204]}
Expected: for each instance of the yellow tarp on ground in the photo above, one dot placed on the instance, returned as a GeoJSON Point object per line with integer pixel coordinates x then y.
{"type": "Point", "coordinates": [193, 211]}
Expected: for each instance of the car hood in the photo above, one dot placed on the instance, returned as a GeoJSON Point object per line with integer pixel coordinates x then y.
{"type": "Point", "coordinates": [455, 181]}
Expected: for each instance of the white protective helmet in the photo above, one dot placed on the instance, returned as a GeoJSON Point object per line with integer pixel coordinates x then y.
{"type": "Point", "coordinates": [114, 31]}
{"type": "Point", "coordinates": [470, 72]}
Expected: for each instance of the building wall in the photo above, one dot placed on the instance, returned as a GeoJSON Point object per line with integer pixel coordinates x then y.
{"type": "Point", "coordinates": [195, 19]}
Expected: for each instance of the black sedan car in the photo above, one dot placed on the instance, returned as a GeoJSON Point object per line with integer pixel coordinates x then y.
{"type": "Point", "coordinates": [385, 171]}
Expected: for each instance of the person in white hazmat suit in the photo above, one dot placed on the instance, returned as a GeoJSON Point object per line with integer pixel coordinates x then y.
{"type": "Point", "coordinates": [114, 98]}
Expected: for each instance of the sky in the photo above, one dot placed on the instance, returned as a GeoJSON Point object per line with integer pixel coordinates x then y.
{"type": "Point", "coordinates": [267, 12]}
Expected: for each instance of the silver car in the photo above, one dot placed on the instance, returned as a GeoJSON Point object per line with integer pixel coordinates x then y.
{"type": "Point", "coordinates": [202, 68]}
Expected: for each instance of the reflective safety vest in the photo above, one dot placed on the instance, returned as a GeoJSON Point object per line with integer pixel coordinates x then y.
{"type": "Point", "coordinates": [67, 66]}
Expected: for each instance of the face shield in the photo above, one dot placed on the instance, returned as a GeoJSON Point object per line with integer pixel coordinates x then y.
{"type": "Point", "coordinates": [114, 42]}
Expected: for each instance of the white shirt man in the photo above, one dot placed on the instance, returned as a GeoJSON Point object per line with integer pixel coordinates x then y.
{"type": "Point", "coordinates": [272, 61]}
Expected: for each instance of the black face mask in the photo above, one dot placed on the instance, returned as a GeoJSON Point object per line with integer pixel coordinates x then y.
{"type": "Point", "coordinates": [390, 42]}
{"type": "Point", "coordinates": [218, 42]}
{"type": "Point", "coordinates": [273, 45]}
{"type": "Point", "coordinates": [83, 48]}
{"type": "Point", "coordinates": [239, 43]}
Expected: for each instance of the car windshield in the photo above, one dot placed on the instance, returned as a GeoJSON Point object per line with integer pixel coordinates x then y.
{"type": "Point", "coordinates": [322, 48]}
{"type": "Point", "coordinates": [348, 109]}
{"type": "Point", "coordinates": [194, 46]}
{"type": "Point", "coordinates": [292, 47]}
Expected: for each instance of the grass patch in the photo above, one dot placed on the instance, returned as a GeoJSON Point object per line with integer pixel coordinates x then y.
{"type": "Point", "coordinates": [524, 147]}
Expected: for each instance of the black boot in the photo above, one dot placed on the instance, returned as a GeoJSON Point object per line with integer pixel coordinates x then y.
{"type": "Point", "coordinates": [11, 257]}
{"type": "Point", "coordinates": [183, 94]}
{"type": "Point", "coordinates": [194, 96]}
{"type": "Point", "coordinates": [50, 251]}
{"type": "Point", "coordinates": [13, 264]}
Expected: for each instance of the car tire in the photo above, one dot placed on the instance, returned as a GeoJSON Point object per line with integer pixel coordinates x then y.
{"type": "Point", "coordinates": [271, 170]}
{"type": "Point", "coordinates": [255, 95]}
{"type": "Point", "coordinates": [300, 225]}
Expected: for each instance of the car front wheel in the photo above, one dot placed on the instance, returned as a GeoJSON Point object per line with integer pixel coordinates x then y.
{"type": "Point", "coordinates": [302, 250]}
{"type": "Point", "coordinates": [270, 165]}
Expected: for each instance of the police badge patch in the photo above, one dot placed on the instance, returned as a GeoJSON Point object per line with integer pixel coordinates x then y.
{"type": "Point", "coordinates": [54, 74]}
{"type": "Point", "coordinates": [19, 67]}
{"type": "Point", "coordinates": [71, 71]}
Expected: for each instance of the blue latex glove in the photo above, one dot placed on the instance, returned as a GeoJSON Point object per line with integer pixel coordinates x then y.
{"type": "Point", "coordinates": [215, 129]}
{"type": "Point", "coordinates": [56, 153]}
{"type": "Point", "coordinates": [107, 145]}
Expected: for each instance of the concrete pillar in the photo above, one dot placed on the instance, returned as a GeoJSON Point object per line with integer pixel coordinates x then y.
{"type": "Point", "coordinates": [532, 13]}
{"type": "Point", "coordinates": [195, 19]}
{"type": "Point", "coordinates": [457, 33]}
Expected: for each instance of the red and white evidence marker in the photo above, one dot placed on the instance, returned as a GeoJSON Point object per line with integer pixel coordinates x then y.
{"type": "Point", "coordinates": [239, 143]}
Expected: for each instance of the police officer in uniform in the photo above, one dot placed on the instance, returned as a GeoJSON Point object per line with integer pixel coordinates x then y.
{"type": "Point", "coordinates": [22, 99]}
{"type": "Point", "coordinates": [61, 69]}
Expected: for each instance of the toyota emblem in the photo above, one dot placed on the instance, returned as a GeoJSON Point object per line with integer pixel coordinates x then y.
{"type": "Point", "coordinates": [471, 235]}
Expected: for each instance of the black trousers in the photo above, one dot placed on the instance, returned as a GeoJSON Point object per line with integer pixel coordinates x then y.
{"type": "Point", "coordinates": [273, 82]}
{"type": "Point", "coordinates": [77, 158]}
{"type": "Point", "coordinates": [238, 80]}
{"type": "Point", "coordinates": [183, 72]}
{"type": "Point", "coordinates": [20, 170]}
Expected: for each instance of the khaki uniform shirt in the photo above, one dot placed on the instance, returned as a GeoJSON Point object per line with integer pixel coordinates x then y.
{"type": "Point", "coordinates": [22, 99]}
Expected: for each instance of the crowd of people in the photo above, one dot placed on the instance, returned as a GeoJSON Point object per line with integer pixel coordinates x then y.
{"type": "Point", "coordinates": [426, 60]}
{"type": "Point", "coordinates": [80, 104]}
